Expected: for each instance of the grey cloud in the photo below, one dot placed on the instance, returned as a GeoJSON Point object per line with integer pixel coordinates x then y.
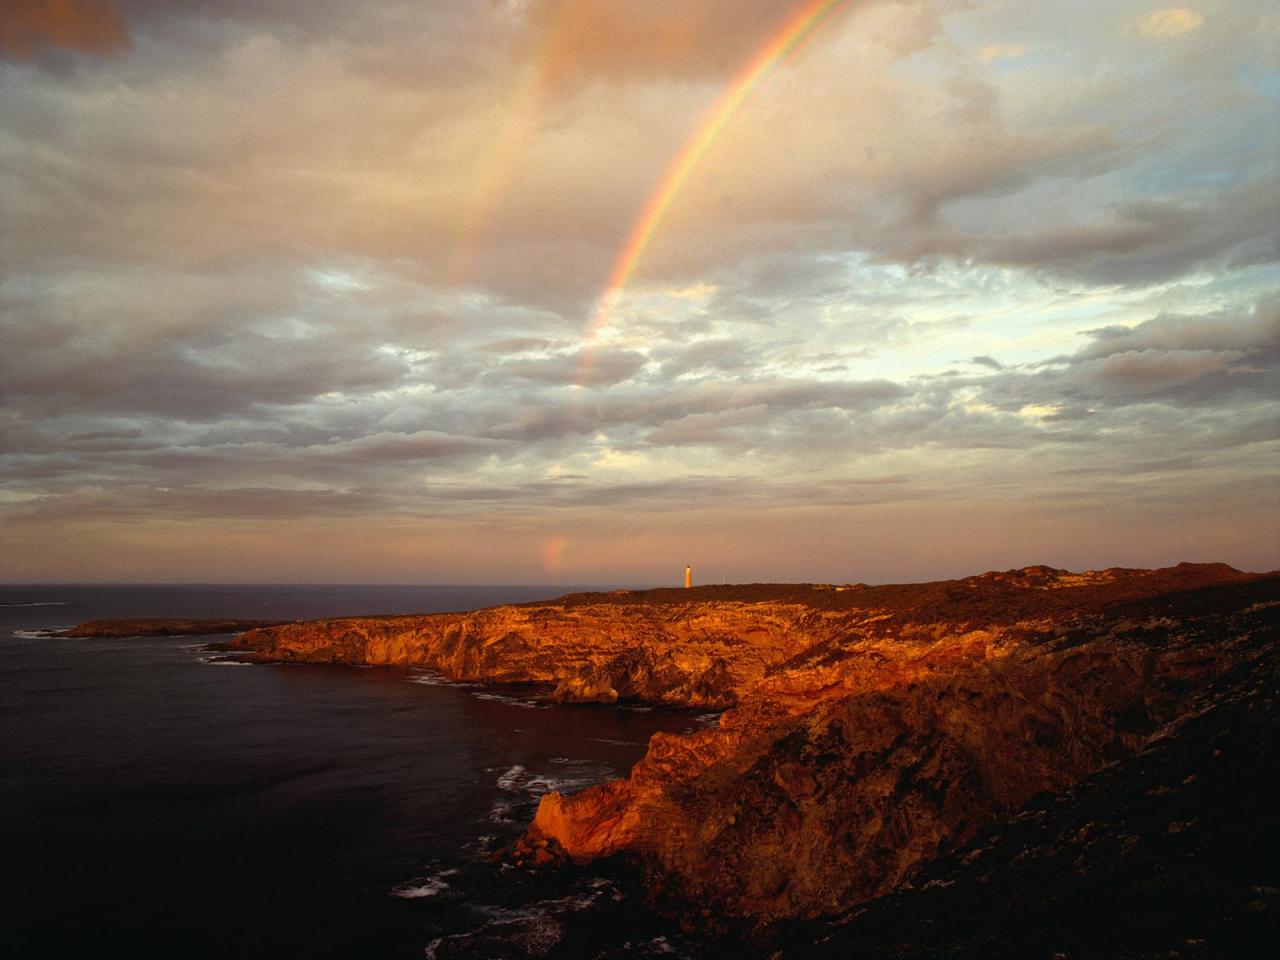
{"type": "Point", "coordinates": [516, 345]}
{"type": "Point", "coordinates": [1145, 372]}
{"type": "Point", "coordinates": [676, 493]}
{"type": "Point", "coordinates": [1151, 241]}
{"type": "Point", "coordinates": [1068, 414]}
{"type": "Point", "coordinates": [384, 447]}
{"type": "Point", "coordinates": [586, 368]}
{"type": "Point", "coordinates": [985, 361]}
{"type": "Point", "coordinates": [706, 428]}
{"type": "Point", "coordinates": [1216, 359]}
{"type": "Point", "coordinates": [94, 435]}
{"type": "Point", "coordinates": [1257, 330]}
{"type": "Point", "coordinates": [655, 407]}
{"type": "Point", "coordinates": [720, 354]}
{"type": "Point", "coordinates": [196, 381]}
{"type": "Point", "coordinates": [125, 502]}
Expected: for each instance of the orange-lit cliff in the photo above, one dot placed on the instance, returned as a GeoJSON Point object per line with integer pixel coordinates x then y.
{"type": "Point", "coordinates": [868, 731]}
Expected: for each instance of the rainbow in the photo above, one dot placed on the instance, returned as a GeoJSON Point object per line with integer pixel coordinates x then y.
{"type": "Point", "coordinates": [783, 41]}
{"type": "Point", "coordinates": [494, 178]}
{"type": "Point", "coordinates": [522, 120]}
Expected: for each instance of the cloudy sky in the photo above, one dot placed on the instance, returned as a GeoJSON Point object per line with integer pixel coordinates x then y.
{"type": "Point", "coordinates": [320, 291]}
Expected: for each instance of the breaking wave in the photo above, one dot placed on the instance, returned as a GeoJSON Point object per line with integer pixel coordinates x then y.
{"type": "Point", "coordinates": [424, 887]}
{"type": "Point", "coordinates": [224, 662]}
{"type": "Point", "coordinates": [535, 930]}
{"type": "Point", "coordinates": [433, 679]}
{"type": "Point", "coordinates": [513, 701]}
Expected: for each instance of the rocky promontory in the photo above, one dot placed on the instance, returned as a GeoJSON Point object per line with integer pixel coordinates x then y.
{"type": "Point", "coordinates": [163, 627]}
{"type": "Point", "coordinates": [869, 734]}
{"type": "Point", "coordinates": [693, 653]}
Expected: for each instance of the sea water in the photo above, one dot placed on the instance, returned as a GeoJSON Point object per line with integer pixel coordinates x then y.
{"type": "Point", "coordinates": [158, 799]}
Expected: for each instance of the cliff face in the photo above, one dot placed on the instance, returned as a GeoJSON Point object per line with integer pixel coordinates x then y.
{"type": "Point", "coordinates": [872, 730]}
{"type": "Point", "coordinates": [690, 654]}
{"type": "Point", "coordinates": [1173, 852]}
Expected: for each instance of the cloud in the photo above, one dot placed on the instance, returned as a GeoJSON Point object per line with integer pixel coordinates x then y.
{"type": "Point", "coordinates": [1149, 241]}
{"type": "Point", "coordinates": [1001, 51]}
{"type": "Point", "coordinates": [586, 39]}
{"type": "Point", "coordinates": [707, 428]}
{"type": "Point", "coordinates": [229, 372]}
{"type": "Point", "coordinates": [703, 356]}
{"type": "Point", "coordinates": [143, 502]}
{"type": "Point", "coordinates": [1212, 361]}
{"type": "Point", "coordinates": [236, 285]}
{"type": "Point", "coordinates": [1137, 373]}
{"type": "Point", "coordinates": [1170, 22]}
{"type": "Point", "coordinates": [87, 26]}
{"type": "Point", "coordinates": [583, 368]}
{"type": "Point", "coordinates": [385, 447]}
{"type": "Point", "coordinates": [1257, 332]}
{"type": "Point", "coordinates": [397, 158]}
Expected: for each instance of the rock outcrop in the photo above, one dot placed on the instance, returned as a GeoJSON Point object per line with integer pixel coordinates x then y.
{"type": "Point", "coordinates": [869, 732]}
{"type": "Point", "coordinates": [848, 767]}
{"type": "Point", "coordinates": [688, 654]}
{"type": "Point", "coordinates": [1173, 852]}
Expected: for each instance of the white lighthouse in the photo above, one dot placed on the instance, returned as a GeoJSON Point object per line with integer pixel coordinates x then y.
{"type": "Point", "coordinates": [688, 576]}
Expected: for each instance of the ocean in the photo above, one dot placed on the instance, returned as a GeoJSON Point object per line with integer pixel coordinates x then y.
{"type": "Point", "coordinates": [159, 800]}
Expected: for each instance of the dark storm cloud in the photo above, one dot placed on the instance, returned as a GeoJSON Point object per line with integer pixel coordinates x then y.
{"type": "Point", "coordinates": [27, 27]}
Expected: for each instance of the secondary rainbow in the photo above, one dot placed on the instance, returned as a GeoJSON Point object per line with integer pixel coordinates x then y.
{"type": "Point", "coordinates": [789, 36]}
{"type": "Point", "coordinates": [495, 178]}
{"type": "Point", "coordinates": [523, 113]}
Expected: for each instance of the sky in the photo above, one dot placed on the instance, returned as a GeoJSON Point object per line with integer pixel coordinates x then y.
{"type": "Point", "coordinates": [581, 291]}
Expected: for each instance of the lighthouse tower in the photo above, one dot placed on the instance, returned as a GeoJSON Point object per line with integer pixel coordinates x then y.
{"type": "Point", "coordinates": [688, 577]}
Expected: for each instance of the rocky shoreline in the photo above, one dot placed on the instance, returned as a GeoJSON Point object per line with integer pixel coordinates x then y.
{"type": "Point", "coordinates": [889, 749]}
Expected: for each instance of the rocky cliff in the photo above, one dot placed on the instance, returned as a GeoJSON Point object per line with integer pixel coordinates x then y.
{"type": "Point", "coordinates": [870, 731]}
{"type": "Point", "coordinates": [1173, 852]}
{"type": "Point", "coordinates": [702, 654]}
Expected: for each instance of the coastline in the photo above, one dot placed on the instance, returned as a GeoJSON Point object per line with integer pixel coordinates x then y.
{"type": "Point", "coordinates": [869, 734]}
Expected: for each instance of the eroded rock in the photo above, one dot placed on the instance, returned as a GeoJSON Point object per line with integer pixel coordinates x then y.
{"type": "Point", "coordinates": [869, 731]}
